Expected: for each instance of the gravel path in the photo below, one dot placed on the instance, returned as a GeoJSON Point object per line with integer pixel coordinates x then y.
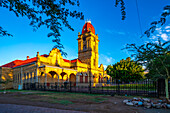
{"type": "Point", "coordinates": [12, 108]}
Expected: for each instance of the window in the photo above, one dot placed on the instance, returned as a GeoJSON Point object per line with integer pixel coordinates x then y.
{"type": "Point", "coordinates": [18, 78]}
{"type": "Point", "coordinates": [86, 78]}
{"type": "Point", "coordinates": [24, 77]}
{"type": "Point", "coordinates": [84, 47]}
{"type": "Point", "coordinates": [79, 46]}
{"type": "Point", "coordinates": [84, 38]}
{"type": "Point", "coordinates": [81, 78]}
{"type": "Point", "coordinates": [30, 75]}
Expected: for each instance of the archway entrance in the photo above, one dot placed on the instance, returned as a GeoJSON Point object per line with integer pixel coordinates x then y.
{"type": "Point", "coordinates": [73, 79]}
{"type": "Point", "coordinates": [52, 78]}
{"type": "Point", "coordinates": [64, 76]}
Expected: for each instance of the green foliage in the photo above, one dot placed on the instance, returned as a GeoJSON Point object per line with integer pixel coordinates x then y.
{"type": "Point", "coordinates": [3, 32]}
{"type": "Point", "coordinates": [122, 3]}
{"type": "Point", "coordinates": [154, 56]}
{"type": "Point", "coordinates": [159, 22]}
{"type": "Point", "coordinates": [50, 13]}
{"type": "Point", "coordinates": [126, 70]}
{"type": "Point", "coordinates": [161, 65]}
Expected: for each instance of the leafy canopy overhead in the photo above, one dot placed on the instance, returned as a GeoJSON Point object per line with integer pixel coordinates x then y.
{"type": "Point", "coordinates": [50, 13]}
{"type": "Point", "coordinates": [154, 56]}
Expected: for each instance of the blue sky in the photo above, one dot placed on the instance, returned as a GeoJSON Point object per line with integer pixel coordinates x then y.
{"type": "Point", "coordinates": [113, 33]}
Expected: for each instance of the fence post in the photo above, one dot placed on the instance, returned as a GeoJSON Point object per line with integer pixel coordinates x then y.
{"type": "Point", "coordinates": [44, 86]}
{"type": "Point", "coordinates": [102, 88]}
{"type": "Point", "coordinates": [90, 87]}
{"type": "Point", "coordinates": [118, 88]}
{"type": "Point", "coordinates": [157, 88]}
{"type": "Point", "coordinates": [70, 86]}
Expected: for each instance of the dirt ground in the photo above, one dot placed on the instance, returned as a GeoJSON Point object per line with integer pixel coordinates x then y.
{"type": "Point", "coordinates": [74, 101]}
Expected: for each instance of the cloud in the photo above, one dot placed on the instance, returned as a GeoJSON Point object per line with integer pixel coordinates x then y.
{"type": "Point", "coordinates": [109, 59]}
{"type": "Point", "coordinates": [115, 32]}
{"type": "Point", "coordinates": [156, 41]}
{"type": "Point", "coordinates": [122, 33]}
{"type": "Point", "coordinates": [106, 60]}
{"type": "Point", "coordinates": [164, 37]}
{"type": "Point", "coordinates": [163, 32]}
{"type": "Point", "coordinates": [105, 66]}
{"type": "Point", "coordinates": [168, 30]}
{"type": "Point", "coordinates": [167, 27]}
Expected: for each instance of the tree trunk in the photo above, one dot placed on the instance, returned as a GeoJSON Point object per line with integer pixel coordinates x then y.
{"type": "Point", "coordinates": [166, 88]}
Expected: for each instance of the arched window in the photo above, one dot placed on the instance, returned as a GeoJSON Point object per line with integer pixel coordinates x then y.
{"type": "Point", "coordinates": [86, 78]}
{"type": "Point", "coordinates": [24, 77]}
{"type": "Point", "coordinates": [84, 47]}
{"type": "Point", "coordinates": [81, 78]}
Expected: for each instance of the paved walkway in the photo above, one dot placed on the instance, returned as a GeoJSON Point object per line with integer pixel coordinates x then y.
{"type": "Point", "coordinates": [12, 108]}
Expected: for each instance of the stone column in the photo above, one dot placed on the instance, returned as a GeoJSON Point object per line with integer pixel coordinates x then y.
{"type": "Point", "coordinates": [21, 78]}
{"type": "Point", "coordinates": [77, 79]}
{"type": "Point", "coordinates": [36, 78]}
{"type": "Point", "coordinates": [58, 80]}
{"type": "Point", "coordinates": [83, 77]}
{"type": "Point", "coordinates": [46, 79]}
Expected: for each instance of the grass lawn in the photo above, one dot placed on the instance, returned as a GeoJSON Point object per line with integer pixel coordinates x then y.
{"type": "Point", "coordinates": [64, 98]}
{"type": "Point", "coordinates": [139, 87]}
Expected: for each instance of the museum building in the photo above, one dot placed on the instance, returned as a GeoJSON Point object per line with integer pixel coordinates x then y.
{"type": "Point", "coordinates": [52, 68]}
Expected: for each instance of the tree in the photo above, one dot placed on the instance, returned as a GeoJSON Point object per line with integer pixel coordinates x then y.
{"type": "Point", "coordinates": [51, 13]}
{"type": "Point", "coordinates": [155, 57]}
{"type": "Point", "coordinates": [126, 71]}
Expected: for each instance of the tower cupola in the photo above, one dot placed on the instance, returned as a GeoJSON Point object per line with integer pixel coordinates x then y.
{"type": "Point", "coordinates": [88, 27]}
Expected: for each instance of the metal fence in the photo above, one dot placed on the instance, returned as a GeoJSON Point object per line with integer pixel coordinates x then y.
{"type": "Point", "coordinates": [142, 88]}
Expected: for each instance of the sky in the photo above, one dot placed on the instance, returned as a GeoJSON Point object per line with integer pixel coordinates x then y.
{"type": "Point", "coordinates": [113, 33]}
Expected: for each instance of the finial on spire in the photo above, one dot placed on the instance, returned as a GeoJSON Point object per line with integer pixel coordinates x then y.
{"type": "Point", "coordinates": [88, 21]}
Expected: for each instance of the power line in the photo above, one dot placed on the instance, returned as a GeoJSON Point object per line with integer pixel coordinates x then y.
{"type": "Point", "coordinates": [139, 17]}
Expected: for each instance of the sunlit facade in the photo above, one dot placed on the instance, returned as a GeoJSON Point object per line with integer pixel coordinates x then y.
{"type": "Point", "coordinates": [52, 68]}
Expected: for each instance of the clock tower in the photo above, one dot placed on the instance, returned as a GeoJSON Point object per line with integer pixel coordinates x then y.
{"type": "Point", "coordinates": [88, 46]}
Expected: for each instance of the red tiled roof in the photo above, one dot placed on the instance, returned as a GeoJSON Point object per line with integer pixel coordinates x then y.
{"type": "Point", "coordinates": [65, 60]}
{"type": "Point", "coordinates": [11, 64]}
{"type": "Point", "coordinates": [24, 62]}
{"type": "Point", "coordinates": [17, 63]}
{"type": "Point", "coordinates": [72, 61]}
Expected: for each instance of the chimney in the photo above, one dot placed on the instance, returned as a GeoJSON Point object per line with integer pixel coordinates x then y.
{"type": "Point", "coordinates": [28, 57]}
